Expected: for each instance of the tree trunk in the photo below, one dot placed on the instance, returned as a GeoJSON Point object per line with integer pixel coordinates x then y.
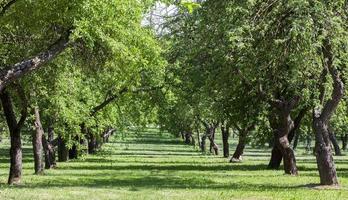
{"type": "Point", "coordinates": [297, 137]}
{"type": "Point", "coordinates": [187, 137]}
{"type": "Point", "coordinates": [225, 145]}
{"type": "Point", "coordinates": [198, 138]}
{"type": "Point", "coordinates": [282, 126]}
{"type": "Point", "coordinates": [73, 153]}
{"type": "Point", "coordinates": [321, 118]}
{"type": "Point", "coordinates": [49, 152]}
{"type": "Point", "coordinates": [344, 141]}
{"type": "Point", "coordinates": [37, 143]}
{"type": "Point", "coordinates": [284, 129]}
{"type": "Point", "coordinates": [237, 156]}
{"type": "Point", "coordinates": [203, 143]}
{"type": "Point", "coordinates": [326, 165]}
{"type": "Point", "coordinates": [15, 136]}
{"type": "Point", "coordinates": [213, 145]}
{"type": "Point", "coordinates": [63, 152]}
{"type": "Point", "coordinates": [92, 144]}
{"type": "Point", "coordinates": [276, 158]}
{"type": "Point", "coordinates": [334, 142]}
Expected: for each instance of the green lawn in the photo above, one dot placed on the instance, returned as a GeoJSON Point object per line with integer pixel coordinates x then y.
{"type": "Point", "coordinates": [154, 166]}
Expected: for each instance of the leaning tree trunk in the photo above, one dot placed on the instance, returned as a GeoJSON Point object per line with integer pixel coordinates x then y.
{"type": "Point", "coordinates": [225, 145]}
{"type": "Point", "coordinates": [237, 155]}
{"type": "Point", "coordinates": [37, 143]}
{"type": "Point", "coordinates": [334, 142]}
{"type": "Point", "coordinates": [15, 135]}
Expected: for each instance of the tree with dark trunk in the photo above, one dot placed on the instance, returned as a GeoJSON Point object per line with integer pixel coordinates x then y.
{"type": "Point", "coordinates": [344, 139]}
{"type": "Point", "coordinates": [63, 151]}
{"type": "Point", "coordinates": [242, 139]}
{"type": "Point", "coordinates": [37, 143]}
{"type": "Point", "coordinates": [334, 142]}
{"type": "Point", "coordinates": [225, 132]}
{"type": "Point", "coordinates": [210, 129]}
{"type": "Point", "coordinates": [15, 132]}
{"type": "Point", "coordinates": [292, 128]}
{"type": "Point", "coordinates": [49, 152]}
{"type": "Point", "coordinates": [321, 118]}
{"type": "Point", "coordinates": [282, 125]}
{"type": "Point", "coordinates": [296, 140]}
{"type": "Point", "coordinates": [92, 143]}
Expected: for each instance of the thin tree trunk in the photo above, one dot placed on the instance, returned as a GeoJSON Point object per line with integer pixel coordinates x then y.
{"type": "Point", "coordinates": [334, 142]}
{"type": "Point", "coordinates": [198, 138]}
{"type": "Point", "coordinates": [344, 139]}
{"type": "Point", "coordinates": [297, 137]}
{"type": "Point", "coordinates": [92, 144]}
{"type": "Point", "coordinates": [37, 143]}
{"type": "Point", "coordinates": [203, 143]}
{"type": "Point", "coordinates": [225, 145]}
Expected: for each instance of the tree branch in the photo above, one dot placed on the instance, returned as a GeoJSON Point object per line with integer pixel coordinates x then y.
{"type": "Point", "coordinates": [338, 88]}
{"type": "Point", "coordinates": [113, 97]}
{"type": "Point", "coordinates": [9, 75]}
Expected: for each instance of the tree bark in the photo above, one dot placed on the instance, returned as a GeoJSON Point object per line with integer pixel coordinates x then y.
{"type": "Point", "coordinates": [37, 143]}
{"type": "Point", "coordinates": [15, 133]}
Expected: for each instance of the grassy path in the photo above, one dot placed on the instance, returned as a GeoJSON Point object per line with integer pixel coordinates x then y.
{"type": "Point", "coordinates": [153, 166]}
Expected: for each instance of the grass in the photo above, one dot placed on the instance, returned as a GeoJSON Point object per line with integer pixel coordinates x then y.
{"type": "Point", "coordinates": [150, 165]}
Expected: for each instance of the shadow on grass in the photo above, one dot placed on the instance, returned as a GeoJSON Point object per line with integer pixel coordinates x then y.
{"type": "Point", "coordinates": [155, 182]}
{"type": "Point", "coordinates": [174, 167]}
